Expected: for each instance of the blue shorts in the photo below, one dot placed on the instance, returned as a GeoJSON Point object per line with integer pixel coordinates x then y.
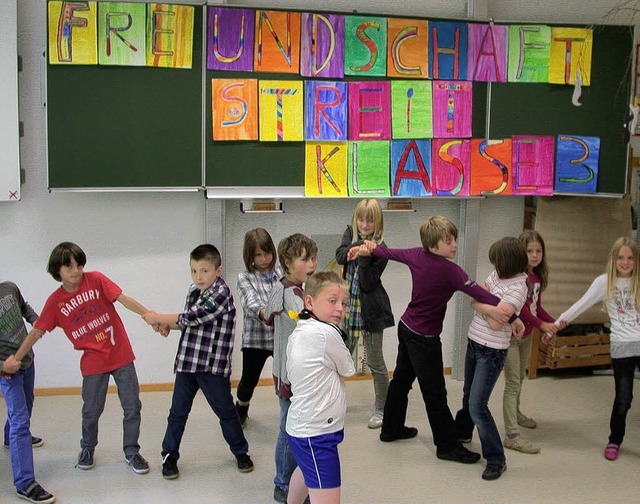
{"type": "Point", "coordinates": [318, 459]}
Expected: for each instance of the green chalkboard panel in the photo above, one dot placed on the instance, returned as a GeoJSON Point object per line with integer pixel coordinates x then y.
{"type": "Point", "coordinates": [249, 163]}
{"type": "Point", "coordinates": [546, 109]}
{"type": "Point", "coordinates": [126, 127]}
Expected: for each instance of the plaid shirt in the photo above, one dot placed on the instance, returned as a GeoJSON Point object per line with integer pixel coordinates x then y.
{"type": "Point", "coordinates": [254, 289]}
{"type": "Point", "coordinates": [207, 325]}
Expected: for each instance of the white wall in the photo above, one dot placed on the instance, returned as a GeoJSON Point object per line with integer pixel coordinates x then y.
{"type": "Point", "coordinates": [142, 241]}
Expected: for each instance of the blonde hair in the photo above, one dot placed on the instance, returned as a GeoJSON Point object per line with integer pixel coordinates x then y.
{"type": "Point", "coordinates": [369, 209]}
{"type": "Point", "coordinates": [612, 272]}
{"type": "Point", "coordinates": [320, 281]}
{"type": "Point", "coordinates": [435, 229]}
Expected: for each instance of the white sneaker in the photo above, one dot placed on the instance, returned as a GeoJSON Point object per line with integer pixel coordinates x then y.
{"type": "Point", "coordinates": [375, 422]}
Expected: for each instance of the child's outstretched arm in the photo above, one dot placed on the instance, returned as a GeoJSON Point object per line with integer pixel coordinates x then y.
{"type": "Point", "coordinates": [131, 304]}
{"type": "Point", "coordinates": [12, 363]}
{"type": "Point", "coordinates": [168, 320]}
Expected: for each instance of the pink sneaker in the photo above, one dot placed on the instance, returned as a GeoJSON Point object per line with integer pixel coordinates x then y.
{"type": "Point", "coordinates": [611, 451]}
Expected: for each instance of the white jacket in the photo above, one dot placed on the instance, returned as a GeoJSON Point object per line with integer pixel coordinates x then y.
{"type": "Point", "coordinates": [317, 361]}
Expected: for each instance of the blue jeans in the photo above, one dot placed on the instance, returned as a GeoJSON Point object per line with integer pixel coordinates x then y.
{"type": "Point", "coordinates": [481, 371]}
{"type": "Point", "coordinates": [217, 391]}
{"type": "Point", "coordinates": [18, 395]}
{"type": "Point", "coordinates": [623, 373]}
{"type": "Point", "coordinates": [285, 463]}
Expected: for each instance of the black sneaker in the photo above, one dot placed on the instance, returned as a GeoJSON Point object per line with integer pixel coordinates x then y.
{"type": "Point", "coordinates": [170, 467]}
{"type": "Point", "coordinates": [279, 494]}
{"type": "Point", "coordinates": [138, 463]}
{"type": "Point", "coordinates": [493, 471]}
{"type": "Point", "coordinates": [85, 459]}
{"type": "Point", "coordinates": [404, 433]}
{"type": "Point", "coordinates": [459, 454]}
{"type": "Point", "coordinates": [35, 493]}
{"type": "Point", "coordinates": [36, 442]}
{"type": "Point", "coordinates": [244, 463]}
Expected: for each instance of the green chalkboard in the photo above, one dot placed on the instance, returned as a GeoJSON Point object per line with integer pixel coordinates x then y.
{"type": "Point", "coordinates": [126, 127]}
{"type": "Point", "coordinates": [248, 163]}
{"type": "Point", "coordinates": [546, 109]}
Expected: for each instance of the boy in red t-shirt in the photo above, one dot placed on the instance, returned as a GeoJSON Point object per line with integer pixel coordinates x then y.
{"type": "Point", "coordinates": [83, 307]}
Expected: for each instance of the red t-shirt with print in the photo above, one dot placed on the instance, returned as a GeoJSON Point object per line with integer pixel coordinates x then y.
{"type": "Point", "coordinates": [90, 320]}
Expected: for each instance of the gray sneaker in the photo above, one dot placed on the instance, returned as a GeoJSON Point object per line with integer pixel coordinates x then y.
{"type": "Point", "coordinates": [85, 459]}
{"type": "Point", "coordinates": [138, 463]}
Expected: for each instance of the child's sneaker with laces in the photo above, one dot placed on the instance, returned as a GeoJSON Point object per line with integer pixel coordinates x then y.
{"type": "Point", "coordinates": [611, 451]}
{"type": "Point", "coordinates": [35, 493]}
{"type": "Point", "coordinates": [520, 444]}
{"type": "Point", "coordinates": [169, 467]}
{"type": "Point", "coordinates": [85, 459]}
{"type": "Point", "coordinates": [138, 463]}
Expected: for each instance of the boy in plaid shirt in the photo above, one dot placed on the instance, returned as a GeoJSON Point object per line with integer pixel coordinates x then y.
{"type": "Point", "coordinates": [203, 360]}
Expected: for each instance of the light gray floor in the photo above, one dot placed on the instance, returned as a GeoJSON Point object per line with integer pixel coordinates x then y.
{"type": "Point", "coordinates": [572, 413]}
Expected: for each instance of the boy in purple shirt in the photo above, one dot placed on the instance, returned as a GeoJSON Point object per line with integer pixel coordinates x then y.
{"type": "Point", "coordinates": [434, 280]}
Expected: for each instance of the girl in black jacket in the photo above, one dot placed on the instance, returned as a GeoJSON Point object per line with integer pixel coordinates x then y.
{"type": "Point", "coordinates": [369, 309]}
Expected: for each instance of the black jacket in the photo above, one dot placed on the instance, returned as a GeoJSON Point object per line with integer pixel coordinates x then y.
{"type": "Point", "coordinates": [376, 307]}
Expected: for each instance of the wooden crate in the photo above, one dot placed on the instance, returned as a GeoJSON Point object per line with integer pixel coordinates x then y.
{"type": "Point", "coordinates": [569, 352]}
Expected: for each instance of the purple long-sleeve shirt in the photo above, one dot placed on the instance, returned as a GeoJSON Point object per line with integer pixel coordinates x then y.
{"type": "Point", "coordinates": [434, 280]}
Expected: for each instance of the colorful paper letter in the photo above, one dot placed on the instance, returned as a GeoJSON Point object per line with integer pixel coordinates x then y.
{"type": "Point", "coordinates": [325, 111]}
{"type": "Point", "coordinates": [532, 164]}
{"type": "Point", "coordinates": [407, 54]}
{"type": "Point", "coordinates": [122, 33]}
{"type": "Point", "coordinates": [448, 50]}
{"type": "Point", "coordinates": [491, 161]}
{"type": "Point", "coordinates": [452, 101]}
{"type": "Point", "coordinates": [368, 168]}
{"type": "Point", "coordinates": [577, 160]}
{"type": "Point", "coordinates": [365, 45]}
{"type": "Point", "coordinates": [322, 49]}
{"type": "Point", "coordinates": [169, 35]}
{"type": "Point", "coordinates": [450, 167]}
{"type": "Point", "coordinates": [277, 45]}
{"type": "Point", "coordinates": [488, 52]}
{"type": "Point", "coordinates": [230, 39]}
{"type": "Point", "coordinates": [570, 54]}
{"type": "Point", "coordinates": [529, 53]}
{"type": "Point", "coordinates": [411, 168]}
{"type": "Point", "coordinates": [281, 117]}
{"type": "Point", "coordinates": [325, 172]}
{"type": "Point", "coordinates": [411, 109]}
{"type": "Point", "coordinates": [369, 110]}
{"type": "Point", "coordinates": [235, 109]}
{"type": "Point", "coordinates": [73, 33]}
